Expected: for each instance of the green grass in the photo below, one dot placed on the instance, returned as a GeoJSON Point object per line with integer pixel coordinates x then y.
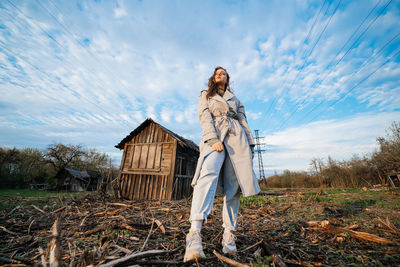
{"type": "Point", "coordinates": [348, 195]}
{"type": "Point", "coordinates": [342, 190]}
{"type": "Point", "coordinates": [11, 198]}
{"type": "Point", "coordinates": [351, 200]}
{"type": "Point", "coordinates": [257, 201]}
{"type": "Point", "coordinates": [36, 193]}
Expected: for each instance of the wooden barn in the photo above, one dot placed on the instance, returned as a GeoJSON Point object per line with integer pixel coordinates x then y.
{"type": "Point", "coordinates": [156, 163]}
{"type": "Point", "coordinates": [76, 180]}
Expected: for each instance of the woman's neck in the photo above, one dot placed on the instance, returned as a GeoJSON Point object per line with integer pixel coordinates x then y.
{"type": "Point", "coordinates": [221, 90]}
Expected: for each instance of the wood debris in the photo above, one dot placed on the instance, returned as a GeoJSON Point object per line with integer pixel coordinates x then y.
{"type": "Point", "coordinates": [390, 226]}
{"type": "Point", "coordinates": [37, 208]}
{"type": "Point", "coordinates": [55, 246]}
{"type": "Point", "coordinates": [325, 226]}
{"type": "Point", "coordinates": [103, 231]}
{"type": "Point", "coordinates": [229, 261]}
{"type": "Point", "coordinates": [160, 225]}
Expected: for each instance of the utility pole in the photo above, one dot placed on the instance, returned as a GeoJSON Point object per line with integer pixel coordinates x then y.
{"type": "Point", "coordinates": [259, 151]}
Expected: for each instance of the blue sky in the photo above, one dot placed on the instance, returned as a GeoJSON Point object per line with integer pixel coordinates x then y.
{"type": "Point", "coordinates": [317, 78]}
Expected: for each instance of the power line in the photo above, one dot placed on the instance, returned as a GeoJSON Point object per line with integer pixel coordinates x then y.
{"type": "Point", "coordinates": [354, 43]}
{"type": "Point", "coordinates": [341, 49]}
{"type": "Point", "coordinates": [48, 76]}
{"type": "Point", "coordinates": [60, 45]}
{"type": "Point", "coordinates": [303, 53]}
{"type": "Point", "coordinates": [312, 49]}
{"type": "Point", "coordinates": [348, 50]}
{"type": "Point", "coordinates": [96, 81]}
{"type": "Point", "coordinates": [80, 42]}
{"type": "Point", "coordinates": [355, 86]}
{"type": "Point", "coordinates": [365, 63]}
{"type": "Point", "coordinates": [369, 25]}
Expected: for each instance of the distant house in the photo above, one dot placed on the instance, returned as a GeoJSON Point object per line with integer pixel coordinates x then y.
{"type": "Point", "coordinates": [394, 179]}
{"type": "Point", "coordinates": [156, 163]}
{"type": "Point", "coordinates": [76, 180]}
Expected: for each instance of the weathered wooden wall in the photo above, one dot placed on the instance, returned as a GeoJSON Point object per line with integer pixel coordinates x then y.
{"type": "Point", "coordinates": [148, 165]}
{"type": "Point", "coordinates": [185, 165]}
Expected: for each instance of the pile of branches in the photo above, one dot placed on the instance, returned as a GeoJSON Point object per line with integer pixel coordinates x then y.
{"type": "Point", "coordinates": [103, 231]}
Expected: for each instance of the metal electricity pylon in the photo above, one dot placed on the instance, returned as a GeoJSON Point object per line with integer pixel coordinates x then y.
{"type": "Point", "coordinates": [259, 151]}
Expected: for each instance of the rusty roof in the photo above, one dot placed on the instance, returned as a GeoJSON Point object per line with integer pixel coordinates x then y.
{"type": "Point", "coordinates": [81, 175]}
{"type": "Point", "coordinates": [183, 142]}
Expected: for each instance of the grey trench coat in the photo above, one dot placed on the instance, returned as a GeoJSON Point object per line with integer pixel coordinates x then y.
{"type": "Point", "coordinates": [224, 118]}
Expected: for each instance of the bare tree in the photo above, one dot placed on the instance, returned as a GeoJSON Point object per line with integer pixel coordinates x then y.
{"type": "Point", "coordinates": [316, 168]}
{"type": "Point", "coordinates": [62, 156]}
{"type": "Point", "coordinates": [387, 159]}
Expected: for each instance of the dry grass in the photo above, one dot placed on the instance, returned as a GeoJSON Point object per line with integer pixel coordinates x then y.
{"type": "Point", "coordinates": [97, 229]}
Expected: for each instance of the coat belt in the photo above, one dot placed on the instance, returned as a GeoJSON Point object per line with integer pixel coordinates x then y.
{"type": "Point", "coordinates": [226, 122]}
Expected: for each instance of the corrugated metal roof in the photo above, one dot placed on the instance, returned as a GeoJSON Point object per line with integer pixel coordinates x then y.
{"type": "Point", "coordinates": [83, 175]}
{"type": "Point", "coordinates": [183, 142]}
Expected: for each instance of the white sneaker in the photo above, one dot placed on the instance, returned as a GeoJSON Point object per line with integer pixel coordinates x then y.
{"type": "Point", "coordinates": [194, 248]}
{"type": "Point", "coordinates": [228, 243]}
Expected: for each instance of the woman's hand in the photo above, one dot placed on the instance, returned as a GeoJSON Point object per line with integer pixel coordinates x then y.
{"type": "Point", "coordinates": [218, 146]}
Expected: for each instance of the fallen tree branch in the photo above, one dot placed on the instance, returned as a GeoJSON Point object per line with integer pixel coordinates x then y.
{"type": "Point", "coordinates": [325, 226]}
{"type": "Point", "coordinates": [55, 246]}
{"type": "Point", "coordinates": [14, 210]}
{"type": "Point", "coordinates": [138, 255]}
{"type": "Point", "coordinates": [107, 212]}
{"type": "Point", "coordinates": [9, 261]}
{"type": "Point", "coordinates": [37, 208]}
{"type": "Point", "coordinates": [304, 263]}
{"type": "Point", "coordinates": [125, 250]}
{"type": "Point", "coordinates": [252, 246]}
{"type": "Point", "coordinates": [121, 204]}
{"type": "Point", "coordinates": [285, 208]}
{"type": "Point", "coordinates": [157, 262]}
{"type": "Point", "coordinates": [147, 239]}
{"type": "Point", "coordinates": [42, 256]}
{"type": "Point", "coordinates": [29, 227]}
{"type": "Point", "coordinates": [391, 227]}
{"type": "Point", "coordinates": [97, 229]}
{"type": "Point", "coordinates": [276, 257]}
{"type": "Point", "coordinates": [128, 227]}
{"type": "Point", "coordinates": [7, 231]}
{"type": "Point", "coordinates": [59, 209]}
{"type": "Point", "coordinates": [229, 261]}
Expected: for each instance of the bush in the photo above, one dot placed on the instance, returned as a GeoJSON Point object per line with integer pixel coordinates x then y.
{"type": "Point", "coordinates": [356, 172]}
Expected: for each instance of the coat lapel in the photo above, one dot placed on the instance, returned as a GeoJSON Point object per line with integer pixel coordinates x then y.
{"type": "Point", "coordinates": [225, 98]}
{"type": "Point", "coordinates": [228, 95]}
{"type": "Point", "coordinates": [219, 98]}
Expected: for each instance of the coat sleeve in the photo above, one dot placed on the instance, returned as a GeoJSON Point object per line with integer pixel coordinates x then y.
{"type": "Point", "coordinates": [206, 120]}
{"type": "Point", "coordinates": [243, 121]}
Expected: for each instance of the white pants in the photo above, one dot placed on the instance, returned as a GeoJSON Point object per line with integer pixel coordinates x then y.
{"type": "Point", "coordinates": [204, 190]}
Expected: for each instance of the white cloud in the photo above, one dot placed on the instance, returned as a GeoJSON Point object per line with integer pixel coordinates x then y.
{"type": "Point", "coordinates": [166, 114]}
{"type": "Point", "coordinates": [120, 12]}
{"type": "Point", "coordinates": [293, 148]}
{"type": "Point", "coordinates": [253, 115]}
{"type": "Point", "coordinates": [141, 59]}
{"type": "Point", "coordinates": [150, 113]}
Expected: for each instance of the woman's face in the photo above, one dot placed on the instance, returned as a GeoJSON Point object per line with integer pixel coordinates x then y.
{"type": "Point", "coordinates": [220, 77]}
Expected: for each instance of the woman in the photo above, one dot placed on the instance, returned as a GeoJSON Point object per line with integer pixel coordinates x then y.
{"type": "Point", "coordinates": [225, 162]}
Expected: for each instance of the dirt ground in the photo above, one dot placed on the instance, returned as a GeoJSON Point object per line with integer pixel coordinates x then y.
{"type": "Point", "coordinates": [280, 227]}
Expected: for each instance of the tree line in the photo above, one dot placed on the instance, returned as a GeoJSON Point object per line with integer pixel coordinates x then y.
{"type": "Point", "coordinates": [21, 167]}
{"type": "Point", "coordinates": [359, 171]}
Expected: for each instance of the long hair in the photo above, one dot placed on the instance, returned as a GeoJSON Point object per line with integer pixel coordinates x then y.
{"type": "Point", "coordinates": [212, 86]}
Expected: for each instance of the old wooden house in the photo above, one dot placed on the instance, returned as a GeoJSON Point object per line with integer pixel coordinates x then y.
{"type": "Point", "coordinates": [75, 180]}
{"type": "Point", "coordinates": [393, 179]}
{"type": "Point", "coordinates": [156, 163]}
